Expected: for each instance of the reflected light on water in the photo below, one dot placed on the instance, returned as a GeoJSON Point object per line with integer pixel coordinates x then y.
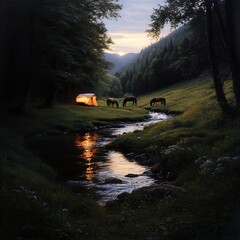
{"type": "Point", "coordinates": [120, 166]}
{"type": "Point", "coordinates": [87, 143]}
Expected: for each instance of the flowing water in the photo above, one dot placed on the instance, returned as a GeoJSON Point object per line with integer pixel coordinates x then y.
{"type": "Point", "coordinates": [89, 168]}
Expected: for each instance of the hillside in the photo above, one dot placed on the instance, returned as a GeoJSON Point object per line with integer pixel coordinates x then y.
{"type": "Point", "coordinates": [180, 56]}
{"type": "Point", "coordinates": [195, 157]}
{"type": "Point", "coordinates": [118, 61]}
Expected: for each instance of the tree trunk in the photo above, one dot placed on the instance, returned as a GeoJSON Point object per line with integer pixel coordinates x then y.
{"type": "Point", "coordinates": [233, 27]}
{"type": "Point", "coordinates": [223, 29]}
{"type": "Point", "coordinates": [221, 98]}
{"type": "Point", "coordinates": [25, 100]}
{"type": "Point", "coordinates": [51, 96]}
{"type": "Point", "coordinates": [27, 91]}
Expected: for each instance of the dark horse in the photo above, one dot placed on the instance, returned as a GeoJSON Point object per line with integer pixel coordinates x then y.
{"type": "Point", "coordinates": [158, 99]}
{"type": "Point", "coordinates": [112, 101]}
{"type": "Point", "coordinates": [129, 99]}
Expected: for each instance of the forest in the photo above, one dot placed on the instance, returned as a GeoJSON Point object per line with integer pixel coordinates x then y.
{"type": "Point", "coordinates": [203, 45]}
{"type": "Point", "coordinates": [51, 50]}
{"type": "Point", "coordinates": [178, 57]}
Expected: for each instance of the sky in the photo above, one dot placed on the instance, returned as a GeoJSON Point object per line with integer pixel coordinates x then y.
{"type": "Point", "coordinates": [128, 32]}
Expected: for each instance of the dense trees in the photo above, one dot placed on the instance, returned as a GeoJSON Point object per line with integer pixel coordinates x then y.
{"type": "Point", "coordinates": [178, 12]}
{"type": "Point", "coordinates": [110, 86]}
{"type": "Point", "coordinates": [180, 56]}
{"type": "Point", "coordinates": [210, 36]}
{"type": "Point", "coordinates": [49, 47]}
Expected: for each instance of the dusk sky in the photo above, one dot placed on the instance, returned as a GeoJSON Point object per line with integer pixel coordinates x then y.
{"type": "Point", "coordinates": [129, 31]}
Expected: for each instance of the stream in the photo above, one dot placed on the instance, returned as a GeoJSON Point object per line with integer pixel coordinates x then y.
{"type": "Point", "coordinates": [83, 161]}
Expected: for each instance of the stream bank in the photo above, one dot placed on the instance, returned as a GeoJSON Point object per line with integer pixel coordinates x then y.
{"type": "Point", "coordinates": [84, 162]}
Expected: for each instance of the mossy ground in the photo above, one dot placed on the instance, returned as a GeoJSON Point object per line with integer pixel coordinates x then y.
{"type": "Point", "coordinates": [35, 205]}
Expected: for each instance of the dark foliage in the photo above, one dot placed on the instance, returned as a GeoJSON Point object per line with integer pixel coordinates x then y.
{"type": "Point", "coordinates": [180, 56]}
{"type": "Point", "coordinates": [49, 47]}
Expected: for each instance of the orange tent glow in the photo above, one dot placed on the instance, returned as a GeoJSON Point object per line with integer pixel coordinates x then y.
{"type": "Point", "coordinates": [89, 99]}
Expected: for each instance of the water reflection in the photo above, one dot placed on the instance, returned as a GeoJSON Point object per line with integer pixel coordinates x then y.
{"type": "Point", "coordinates": [87, 165]}
{"type": "Point", "coordinates": [131, 127]}
{"type": "Point", "coordinates": [87, 143]}
{"type": "Point", "coordinates": [100, 164]}
{"type": "Point", "coordinates": [118, 166]}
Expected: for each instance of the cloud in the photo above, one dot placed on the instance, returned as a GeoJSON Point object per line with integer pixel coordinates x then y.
{"type": "Point", "coordinates": [135, 16]}
{"type": "Point", "coordinates": [129, 42]}
{"type": "Point", "coordinates": [129, 31]}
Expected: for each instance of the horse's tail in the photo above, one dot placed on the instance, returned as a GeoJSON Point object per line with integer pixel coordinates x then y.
{"type": "Point", "coordinates": [135, 101]}
{"type": "Point", "coordinates": [124, 102]}
{"type": "Point", "coordinates": [164, 101]}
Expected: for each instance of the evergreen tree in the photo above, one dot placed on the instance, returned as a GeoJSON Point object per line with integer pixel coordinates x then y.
{"type": "Point", "coordinates": [177, 12]}
{"type": "Point", "coordinates": [50, 46]}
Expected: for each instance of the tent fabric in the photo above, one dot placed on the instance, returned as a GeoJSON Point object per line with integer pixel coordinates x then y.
{"type": "Point", "coordinates": [89, 99]}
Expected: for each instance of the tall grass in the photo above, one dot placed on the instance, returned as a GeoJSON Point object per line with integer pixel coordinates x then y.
{"type": "Point", "coordinates": [35, 205]}
{"type": "Point", "coordinates": [199, 132]}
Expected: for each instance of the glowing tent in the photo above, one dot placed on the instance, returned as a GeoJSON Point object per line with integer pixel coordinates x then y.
{"type": "Point", "coordinates": [89, 99]}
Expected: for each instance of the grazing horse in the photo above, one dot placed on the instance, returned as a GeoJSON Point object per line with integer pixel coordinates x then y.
{"type": "Point", "coordinates": [112, 101]}
{"type": "Point", "coordinates": [158, 99]}
{"type": "Point", "coordinates": [129, 99]}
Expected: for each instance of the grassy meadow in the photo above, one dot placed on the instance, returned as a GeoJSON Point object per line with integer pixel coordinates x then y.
{"type": "Point", "coordinates": [198, 146]}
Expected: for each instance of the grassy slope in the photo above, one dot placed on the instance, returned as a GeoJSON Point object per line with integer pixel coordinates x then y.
{"type": "Point", "coordinates": [35, 206]}
{"type": "Point", "coordinates": [210, 209]}
{"type": "Point", "coordinates": [200, 121]}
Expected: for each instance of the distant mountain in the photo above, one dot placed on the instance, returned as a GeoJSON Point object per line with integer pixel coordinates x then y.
{"type": "Point", "coordinates": [180, 56]}
{"type": "Point", "coordinates": [118, 61]}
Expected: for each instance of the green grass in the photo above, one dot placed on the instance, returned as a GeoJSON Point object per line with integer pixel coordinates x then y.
{"type": "Point", "coordinates": [200, 119]}
{"type": "Point", "coordinates": [35, 205]}
{"type": "Point", "coordinates": [174, 145]}
{"type": "Point", "coordinates": [32, 199]}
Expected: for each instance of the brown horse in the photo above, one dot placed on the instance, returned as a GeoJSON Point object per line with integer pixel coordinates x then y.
{"type": "Point", "coordinates": [129, 99]}
{"type": "Point", "coordinates": [112, 101]}
{"type": "Point", "coordinates": [158, 99]}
